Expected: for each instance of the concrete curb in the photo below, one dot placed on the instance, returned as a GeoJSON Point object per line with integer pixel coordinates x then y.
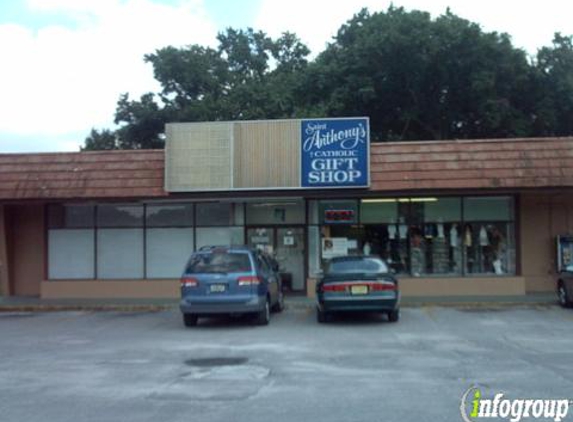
{"type": "Point", "coordinates": [300, 303]}
{"type": "Point", "coordinates": [85, 308]}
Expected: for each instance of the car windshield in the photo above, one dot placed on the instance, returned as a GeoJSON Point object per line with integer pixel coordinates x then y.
{"type": "Point", "coordinates": [227, 262]}
{"type": "Point", "coordinates": [357, 265]}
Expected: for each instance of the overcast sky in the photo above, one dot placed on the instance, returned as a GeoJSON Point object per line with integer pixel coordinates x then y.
{"type": "Point", "coordinates": [64, 63]}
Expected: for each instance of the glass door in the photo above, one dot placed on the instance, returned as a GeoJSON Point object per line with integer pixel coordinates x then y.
{"type": "Point", "coordinates": [290, 254]}
{"type": "Point", "coordinates": [286, 244]}
{"type": "Point", "coordinates": [262, 238]}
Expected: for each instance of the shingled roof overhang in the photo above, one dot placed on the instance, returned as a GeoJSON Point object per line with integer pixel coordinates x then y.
{"type": "Point", "coordinates": [504, 165]}
{"type": "Point", "coordinates": [82, 175]}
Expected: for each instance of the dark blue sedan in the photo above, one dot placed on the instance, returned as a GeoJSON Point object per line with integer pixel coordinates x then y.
{"type": "Point", "coordinates": [357, 283]}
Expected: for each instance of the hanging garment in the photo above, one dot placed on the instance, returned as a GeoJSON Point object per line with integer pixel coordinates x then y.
{"type": "Point", "coordinates": [441, 231]}
{"type": "Point", "coordinates": [403, 229]}
{"type": "Point", "coordinates": [468, 237]}
{"type": "Point", "coordinates": [497, 267]}
{"type": "Point", "coordinates": [483, 239]}
{"type": "Point", "coordinates": [454, 236]}
{"type": "Point", "coordinates": [429, 231]}
{"type": "Point", "coordinates": [391, 232]}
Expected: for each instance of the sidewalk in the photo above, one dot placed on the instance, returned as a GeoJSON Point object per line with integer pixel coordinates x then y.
{"type": "Point", "coordinates": [32, 304]}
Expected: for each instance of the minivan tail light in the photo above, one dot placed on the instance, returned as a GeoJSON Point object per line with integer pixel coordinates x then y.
{"type": "Point", "coordinates": [189, 282]}
{"type": "Point", "coordinates": [248, 281]}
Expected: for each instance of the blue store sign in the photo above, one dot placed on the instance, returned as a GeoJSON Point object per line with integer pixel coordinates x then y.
{"type": "Point", "coordinates": [335, 152]}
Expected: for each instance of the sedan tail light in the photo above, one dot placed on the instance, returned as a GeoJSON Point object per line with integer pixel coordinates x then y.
{"type": "Point", "coordinates": [248, 281]}
{"type": "Point", "coordinates": [189, 282]}
{"type": "Point", "coordinates": [383, 285]}
{"type": "Point", "coordinates": [334, 288]}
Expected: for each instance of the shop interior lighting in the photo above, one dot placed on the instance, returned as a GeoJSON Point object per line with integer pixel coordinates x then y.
{"type": "Point", "coordinates": [378, 200]}
{"type": "Point", "coordinates": [390, 200]}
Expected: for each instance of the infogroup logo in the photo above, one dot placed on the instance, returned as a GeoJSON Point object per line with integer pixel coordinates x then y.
{"type": "Point", "coordinates": [475, 407]}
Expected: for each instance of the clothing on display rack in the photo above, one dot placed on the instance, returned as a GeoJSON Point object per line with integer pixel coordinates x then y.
{"type": "Point", "coordinates": [441, 231]}
{"type": "Point", "coordinates": [454, 236]}
{"type": "Point", "coordinates": [483, 239]}
{"type": "Point", "coordinates": [392, 231]}
{"type": "Point", "coordinates": [468, 237]}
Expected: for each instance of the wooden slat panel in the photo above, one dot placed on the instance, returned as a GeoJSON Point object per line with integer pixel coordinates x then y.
{"type": "Point", "coordinates": [267, 154]}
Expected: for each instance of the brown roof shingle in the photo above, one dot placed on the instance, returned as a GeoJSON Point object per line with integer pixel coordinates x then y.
{"type": "Point", "coordinates": [394, 166]}
{"type": "Point", "coordinates": [98, 174]}
{"type": "Point", "coordinates": [472, 164]}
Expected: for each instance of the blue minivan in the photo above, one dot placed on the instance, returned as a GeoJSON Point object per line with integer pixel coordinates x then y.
{"type": "Point", "coordinates": [230, 280]}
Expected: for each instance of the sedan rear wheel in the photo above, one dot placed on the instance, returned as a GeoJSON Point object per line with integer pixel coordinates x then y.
{"type": "Point", "coordinates": [394, 316]}
{"type": "Point", "coordinates": [564, 299]}
{"type": "Point", "coordinates": [322, 316]}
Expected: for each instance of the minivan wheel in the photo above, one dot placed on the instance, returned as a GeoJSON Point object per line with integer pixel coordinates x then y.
{"type": "Point", "coordinates": [394, 316]}
{"type": "Point", "coordinates": [190, 320]}
{"type": "Point", "coordinates": [280, 305]}
{"type": "Point", "coordinates": [564, 299]}
{"type": "Point", "coordinates": [264, 316]}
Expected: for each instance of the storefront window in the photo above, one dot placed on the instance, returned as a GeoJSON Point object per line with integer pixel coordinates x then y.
{"type": "Point", "coordinates": [71, 254]}
{"type": "Point", "coordinates": [71, 244]}
{"type": "Point", "coordinates": [288, 212]}
{"type": "Point", "coordinates": [435, 246]}
{"type": "Point", "coordinates": [167, 250]}
{"type": "Point", "coordinates": [423, 236]}
{"type": "Point", "coordinates": [120, 216]}
{"type": "Point", "coordinates": [71, 216]}
{"type": "Point", "coordinates": [488, 236]}
{"type": "Point", "coordinates": [214, 214]}
{"type": "Point", "coordinates": [120, 253]}
{"type": "Point", "coordinates": [177, 215]}
{"type": "Point", "coordinates": [338, 212]}
{"type": "Point", "coordinates": [384, 223]}
{"type": "Point", "coordinates": [213, 236]}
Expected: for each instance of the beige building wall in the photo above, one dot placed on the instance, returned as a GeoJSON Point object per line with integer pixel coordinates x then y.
{"type": "Point", "coordinates": [107, 289]}
{"type": "Point", "coordinates": [4, 264]}
{"type": "Point", "coordinates": [543, 217]}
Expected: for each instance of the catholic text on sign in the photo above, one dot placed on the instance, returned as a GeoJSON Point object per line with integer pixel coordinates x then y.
{"type": "Point", "coordinates": [335, 152]}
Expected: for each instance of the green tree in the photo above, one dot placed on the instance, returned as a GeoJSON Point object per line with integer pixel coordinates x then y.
{"type": "Point", "coordinates": [554, 88]}
{"type": "Point", "coordinates": [418, 78]}
{"type": "Point", "coordinates": [101, 140]}
{"type": "Point", "coordinates": [249, 76]}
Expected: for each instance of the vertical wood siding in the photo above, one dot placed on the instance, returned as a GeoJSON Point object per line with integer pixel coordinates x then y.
{"type": "Point", "coordinates": [267, 154]}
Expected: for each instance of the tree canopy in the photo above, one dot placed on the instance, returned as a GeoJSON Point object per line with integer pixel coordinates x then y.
{"type": "Point", "coordinates": [417, 78]}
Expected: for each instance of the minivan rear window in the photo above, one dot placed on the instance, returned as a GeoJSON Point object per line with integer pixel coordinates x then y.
{"type": "Point", "coordinates": [219, 263]}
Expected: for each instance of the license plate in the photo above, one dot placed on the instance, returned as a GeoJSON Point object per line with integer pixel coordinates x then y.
{"type": "Point", "coordinates": [359, 290]}
{"type": "Point", "coordinates": [217, 288]}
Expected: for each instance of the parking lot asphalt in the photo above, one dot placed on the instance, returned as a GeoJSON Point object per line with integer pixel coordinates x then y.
{"type": "Point", "coordinates": [145, 366]}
